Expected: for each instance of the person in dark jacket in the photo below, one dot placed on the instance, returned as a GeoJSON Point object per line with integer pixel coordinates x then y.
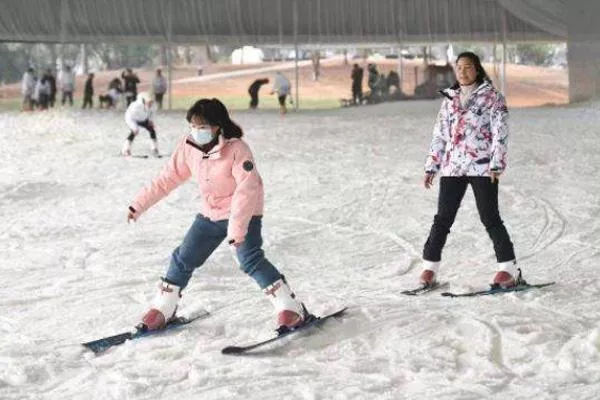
{"type": "Point", "coordinates": [253, 91]}
{"type": "Point", "coordinates": [110, 98]}
{"type": "Point", "coordinates": [115, 84]}
{"type": "Point", "coordinates": [357, 78]}
{"type": "Point", "coordinates": [131, 82]}
{"type": "Point", "coordinates": [88, 92]}
{"type": "Point", "coordinates": [393, 80]}
{"type": "Point", "coordinates": [52, 83]}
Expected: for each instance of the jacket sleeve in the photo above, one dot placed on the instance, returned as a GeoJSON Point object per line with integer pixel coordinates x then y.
{"type": "Point", "coordinates": [441, 134]}
{"type": "Point", "coordinates": [499, 128]}
{"type": "Point", "coordinates": [173, 174]}
{"type": "Point", "coordinates": [247, 193]}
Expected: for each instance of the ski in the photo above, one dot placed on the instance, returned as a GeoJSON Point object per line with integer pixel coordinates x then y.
{"type": "Point", "coordinates": [144, 156]}
{"type": "Point", "coordinates": [425, 289]}
{"type": "Point", "coordinates": [103, 344]}
{"type": "Point", "coordinates": [149, 156]}
{"type": "Point", "coordinates": [313, 321]}
{"type": "Point", "coordinates": [498, 290]}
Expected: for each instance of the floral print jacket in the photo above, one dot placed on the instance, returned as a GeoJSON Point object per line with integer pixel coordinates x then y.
{"type": "Point", "coordinates": [470, 140]}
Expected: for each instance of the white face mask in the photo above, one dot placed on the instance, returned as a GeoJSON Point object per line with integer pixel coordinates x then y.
{"type": "Point", "coordinates": [202, 136]}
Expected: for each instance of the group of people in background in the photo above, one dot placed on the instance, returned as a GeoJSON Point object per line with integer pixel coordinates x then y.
{"type": "Point", "coordinates": [40, 93]}
{"type": "Point", "coordinates": [139, 115]}
{"type": "Point", "coordinates": [380, 86]}
{"type": "Point", "coordinates": [281, 86]}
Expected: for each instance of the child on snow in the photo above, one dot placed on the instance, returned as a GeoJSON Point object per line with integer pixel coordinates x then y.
{"type": "Point", "coordinates": [232, 206]}
{"type": "Point", "coordinates": [138, 117]}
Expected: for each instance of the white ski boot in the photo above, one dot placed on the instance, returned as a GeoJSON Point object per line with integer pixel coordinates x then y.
{"type": "Point", "coordinates": [429, 274]}
{"type": "Point", "coordinates": [126, 149]}
{"type": "Point", "coordinates": [163, 306]}
{"type": "Point", "coordinates": [290, 312]}
{"type": "Point", "coordinates": [154, 148]}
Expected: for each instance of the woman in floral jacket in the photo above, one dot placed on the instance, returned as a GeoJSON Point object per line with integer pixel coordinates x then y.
{"type": "Point", "coordinates": [469, 148]}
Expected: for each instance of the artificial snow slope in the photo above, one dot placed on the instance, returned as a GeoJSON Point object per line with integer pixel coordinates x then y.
{"type": "Point", "coordinates": [345, 219]}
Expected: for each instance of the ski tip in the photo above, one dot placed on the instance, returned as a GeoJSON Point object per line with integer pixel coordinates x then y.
{"type": "Point", "coordinates": [96, 349]}
{"type": "Point", "coordinates": [336, 314]}
{"type": "Point", "coordinates": [232, 350]}
{"type": "Point", "coordinates": [340, 312]}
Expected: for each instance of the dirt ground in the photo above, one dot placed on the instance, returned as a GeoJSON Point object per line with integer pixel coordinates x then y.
{"type": "Point", "coordinates": [527, 86]}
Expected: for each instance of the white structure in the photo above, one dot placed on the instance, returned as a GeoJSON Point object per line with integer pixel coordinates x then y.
{"type": "Point", "coordinates": [247, 55]}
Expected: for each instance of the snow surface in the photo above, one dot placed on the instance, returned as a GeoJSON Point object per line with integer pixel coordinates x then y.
{"type": "Point", "coordinates": [346, 218]}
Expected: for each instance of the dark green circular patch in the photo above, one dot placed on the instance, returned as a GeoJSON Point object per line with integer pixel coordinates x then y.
{"type": "Point", "coordinates": [248, 166]}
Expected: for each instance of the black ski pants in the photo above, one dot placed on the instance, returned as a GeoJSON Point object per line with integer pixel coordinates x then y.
{"type": "Point", "coordinates": [357, 93]}
{"type": "Point", "coordinates": [253, 99]}
{"type": "Point", "coordinates": [452, 191]}
{"type": "Point", "coordinates": [88, 101]}
{"type": "Point", "coordinates": [144, 124]}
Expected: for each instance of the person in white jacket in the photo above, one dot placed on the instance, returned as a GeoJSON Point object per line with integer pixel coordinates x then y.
{"type": "Point", "coordinates": [138, 118]}
{"type": "Point", "coordinates": [27, 89]}
{"type": "Point", "coordinates": [283, 88]}
{"type": "Point", "coordinates": [67, 85]}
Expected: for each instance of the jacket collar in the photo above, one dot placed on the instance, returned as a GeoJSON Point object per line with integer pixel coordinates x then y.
{"type": "Point", "coordinates": [451, 93]}
{"type": "Point", "coordinates": [215, 152]}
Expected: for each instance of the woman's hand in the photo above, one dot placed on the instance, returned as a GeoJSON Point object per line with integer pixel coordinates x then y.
{"type": "Point", "coordinates": [235, 244]}
{"type": "Point", "coordinates": [428, 181]}
{"type": "Point", "coordinates": [494, 175]}
{"type": "Point", "coordinates": [131, 215]}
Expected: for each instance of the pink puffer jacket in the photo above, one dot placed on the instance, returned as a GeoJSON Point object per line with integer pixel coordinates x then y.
{"type": "Point", "coordinates": [230, 186]}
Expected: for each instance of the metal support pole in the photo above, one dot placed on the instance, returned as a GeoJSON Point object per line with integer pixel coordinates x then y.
{"type": "Point", "coordinates": [280, 27]}
{"type": "Point", "coordinates": [503, 74]}
{"type": "Point", "coordinates": [399, 17]}
{"type": "Point", "coordinates": [169, 57]}
{"type": "Point", "coordinates": [400, 68]}
{"type": "Point", "coordinates": [63, 32]}
{"type": "Point", "coordinates": [296, 102]}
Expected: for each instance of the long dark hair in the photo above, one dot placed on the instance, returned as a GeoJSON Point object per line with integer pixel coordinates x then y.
{"type": "Point", "coordinates": [215, 113]}
{"type": "Point", "coordinates": [482, 76]}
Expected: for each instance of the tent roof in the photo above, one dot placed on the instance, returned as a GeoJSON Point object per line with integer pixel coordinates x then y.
{"type": "Point", "coordinates": [273, 21]}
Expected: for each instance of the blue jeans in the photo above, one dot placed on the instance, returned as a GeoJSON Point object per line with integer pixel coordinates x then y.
{"type": "Point", "coordinates": [204, 236]}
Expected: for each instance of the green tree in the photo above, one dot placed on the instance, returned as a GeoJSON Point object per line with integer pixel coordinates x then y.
{"type": "Point", "coordinates": [536, 54]}
{"type": "Point", "coordinates": [13, 62]}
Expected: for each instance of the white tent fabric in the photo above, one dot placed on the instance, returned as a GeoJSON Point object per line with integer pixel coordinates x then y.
{"type": "Point", "coordinates": [547, 15]}
{"type": "Point", "coordinates": [272, 21]}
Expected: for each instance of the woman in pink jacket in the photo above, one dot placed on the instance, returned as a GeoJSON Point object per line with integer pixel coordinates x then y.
{"type": "Point", "coordinates": [232, 196]}
{"type": "Point", "coordinates": [469, 147]}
